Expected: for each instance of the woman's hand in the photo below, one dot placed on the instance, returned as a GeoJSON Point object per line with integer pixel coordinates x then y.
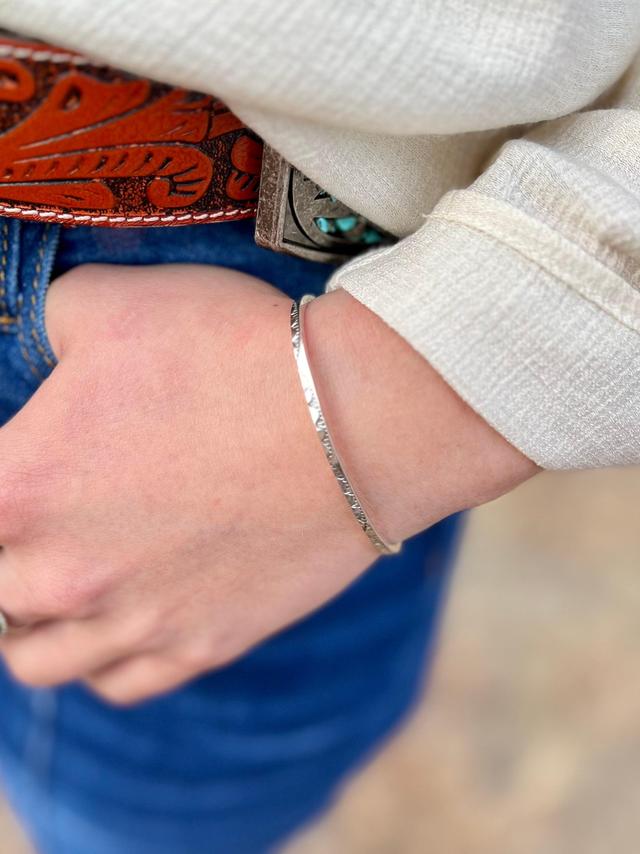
{"type": "Point", "coordinates": [164, 501]}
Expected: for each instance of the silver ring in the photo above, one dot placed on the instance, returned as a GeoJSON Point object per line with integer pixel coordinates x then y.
{"type": "Point", "coordinates": [4, 625]}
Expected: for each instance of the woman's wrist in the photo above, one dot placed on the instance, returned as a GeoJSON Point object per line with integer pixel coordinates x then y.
{"type": "Point", "coordinates": [412, 448]}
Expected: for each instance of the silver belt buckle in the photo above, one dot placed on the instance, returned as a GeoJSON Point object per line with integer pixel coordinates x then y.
{"type": "Point", "coordinates": [298, 217]}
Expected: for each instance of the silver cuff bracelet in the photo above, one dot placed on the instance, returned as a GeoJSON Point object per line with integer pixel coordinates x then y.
{"type": "Point", "coordinates": [320, 425]}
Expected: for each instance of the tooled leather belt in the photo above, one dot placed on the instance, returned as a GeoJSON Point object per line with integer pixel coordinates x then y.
{"type": "Point", "coordinates": [85, 144]}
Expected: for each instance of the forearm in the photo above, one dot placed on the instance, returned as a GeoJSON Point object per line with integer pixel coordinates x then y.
{"type": "Point", "coordinates": [413, 449]}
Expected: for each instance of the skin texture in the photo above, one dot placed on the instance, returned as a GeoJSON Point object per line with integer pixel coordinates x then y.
{"type": "Point", "coordinates": [165, 504]}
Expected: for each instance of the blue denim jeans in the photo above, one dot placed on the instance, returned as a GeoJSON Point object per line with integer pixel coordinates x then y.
{"type": "Point", "coordinates": [239, 759]}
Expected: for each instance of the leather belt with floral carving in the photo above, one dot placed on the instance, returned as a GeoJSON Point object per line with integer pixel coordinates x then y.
{"type": "Point", "coordinates": [87, 144]}
{"type": "Point", "coordinates": [84, 144]}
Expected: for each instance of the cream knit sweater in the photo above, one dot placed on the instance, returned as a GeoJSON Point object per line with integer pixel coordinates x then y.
{"type": "Point", "coordinates": [499, 138]}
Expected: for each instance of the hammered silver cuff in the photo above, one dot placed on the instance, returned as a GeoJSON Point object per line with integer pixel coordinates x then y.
{"type": "Point", "coordinates": [317, 417]}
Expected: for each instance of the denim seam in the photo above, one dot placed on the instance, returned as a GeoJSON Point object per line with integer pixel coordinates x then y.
{"type": "Point", "coordinates": [7, 320]}
{"type": "Point", "coordinates": [4, 238]}
{"type": "Point", "coordinates": [35, 320]}
{"type": "Point", "coordinates": [24, 347]}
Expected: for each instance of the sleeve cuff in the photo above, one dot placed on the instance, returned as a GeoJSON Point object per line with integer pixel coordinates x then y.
{"type": "Point", "coordinates": [553, 370]}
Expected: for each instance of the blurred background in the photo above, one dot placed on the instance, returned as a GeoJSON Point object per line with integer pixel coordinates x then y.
{"type": "Point", "coordinates": [528, 738]}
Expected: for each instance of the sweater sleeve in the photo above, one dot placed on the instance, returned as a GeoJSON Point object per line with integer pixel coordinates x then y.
{"type": "Point", "coordinates": [405, 67]}
{"type": "Point", "coordinates": [523, 290]}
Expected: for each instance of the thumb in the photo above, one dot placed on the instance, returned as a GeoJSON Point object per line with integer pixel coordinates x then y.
{"type": "Point", "coordinates": [67, 308]}
{"type": "Point", "coordinates": [86, 304]}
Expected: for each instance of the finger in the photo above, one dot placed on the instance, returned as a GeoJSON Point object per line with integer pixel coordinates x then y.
{"type": "Point", "coordinates": [34, 446]}
{"type": "Point", "coordinates": [37, 587]}
{"type": "Point", "coordinates": [140, 678]}
{"type": "Point", "coordinates": [58, 652]}
{"type": "Point", "coordinates": [20, 601]}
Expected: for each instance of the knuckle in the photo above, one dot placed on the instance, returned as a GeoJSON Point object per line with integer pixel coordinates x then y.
{"type": "Point", "coordinates": [56, 601]}
{"type": "Point", "coordinates": [70, 592]}
{"type": "Point", "coordinates": [58, 589]}
{"type": "Point", "coordinates": [199, 657]}
{"type": "Point", "coordinates": [225, 647]}
{"type": "Point", "coordinates": [29, 494]}
{"type": "Point", "coordinates": [146, 630]}
{"type": "Point", "coordinates": [116, 694]}
{"type": "Point", "coordinates": [29, 670]}
{"type": "Point", "coordinates": [17, 506]}
{"type": "Point", "coordinates": [38, 598]}
{"type": "Point", "coordinates": [83, 591]}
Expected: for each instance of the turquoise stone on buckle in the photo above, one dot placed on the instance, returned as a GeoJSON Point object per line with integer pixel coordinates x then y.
{"type": "Point", "coordinates": [299, 217]}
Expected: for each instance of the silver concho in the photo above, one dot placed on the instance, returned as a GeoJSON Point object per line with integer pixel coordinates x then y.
{"type": "Point", "coordinates": [297, 216]}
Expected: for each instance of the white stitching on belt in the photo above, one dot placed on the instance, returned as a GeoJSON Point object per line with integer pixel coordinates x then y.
{"type": "Point", "coordinates": [43, 55]}
{"type": "Point", "coordinates": [66, 217]}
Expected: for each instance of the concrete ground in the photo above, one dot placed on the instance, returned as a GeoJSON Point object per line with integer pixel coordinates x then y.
{"type": "Point", "coordinates": [529, 739]}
